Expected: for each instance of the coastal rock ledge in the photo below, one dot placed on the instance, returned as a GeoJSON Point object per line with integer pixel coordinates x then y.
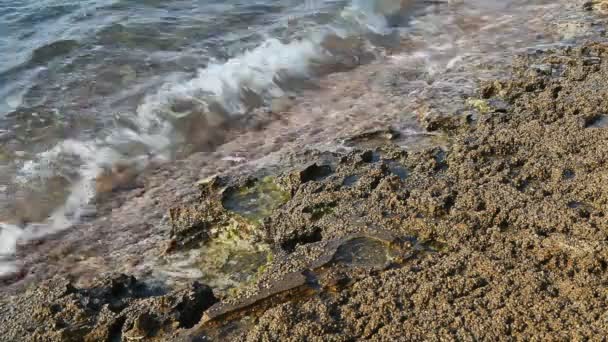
{"type": "Point", "coordinates": [501, 236]}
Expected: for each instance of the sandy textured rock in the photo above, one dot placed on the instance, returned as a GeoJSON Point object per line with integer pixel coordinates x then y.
{"type": "Point", "coordinates": [501, 236]}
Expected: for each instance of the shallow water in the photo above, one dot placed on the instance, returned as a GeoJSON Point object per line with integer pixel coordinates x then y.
{"type": "Point", "coordinates": [86, 84]}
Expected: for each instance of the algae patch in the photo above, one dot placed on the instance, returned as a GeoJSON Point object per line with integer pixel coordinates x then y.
{"type": "Point", "coordinates": [480, 105]}
{"type": "Point", "coordinates": [226, 262]}
{"type": "Point", "coordinates": [228, 254]}
{"type": "Point", "coordinates": [230, 260]}
{"type": "Point", "coordinates": [257, 200]}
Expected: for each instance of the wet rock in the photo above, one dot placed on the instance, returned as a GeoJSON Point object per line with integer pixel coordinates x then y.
{"type": "Point", "coordinates": [433, 120]}
{"type": "Point", "coordinates": [193, 304]}
{"type": "Point", "coordinates": [357, 251]}
{"type": "Point", "coordinates": [544, 69]}
{"type": "Point", "coordinates": [217, 240]}
{"type": "Point", "coordinates": [121, 176]}
{"type": "Point", "coordinates": [227, 261]}
{"type": "Point", "coordinates": [343, 54]}
{"type": "Point", "coordinates": [119, 308]}
{"type": "Point", "coordinates": [46, 53]}
{"type": "Point", "coordinates": [287, 287]}
{"type": "Point", "coordinates": [362, 252]}
{"type": "Point", "coordinates": [191, 223]}
{"type": "Point", "coordinates": [480, 105]}
{"type": "Point", "coordinates": [373, 139]}
{"type": "Point", "coordinates": [599, 6]}
{"type": "Point", "coordinates": [145, 325]}
{"type": "Point", "coordinates": [256, 199]}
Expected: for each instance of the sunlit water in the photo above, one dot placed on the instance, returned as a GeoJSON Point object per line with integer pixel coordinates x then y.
{"type": "Point", "coordinates": [87, 84]}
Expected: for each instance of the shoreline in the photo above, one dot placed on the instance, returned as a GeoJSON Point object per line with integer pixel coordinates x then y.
{"type": "Point", "coordinates": [501, 235]}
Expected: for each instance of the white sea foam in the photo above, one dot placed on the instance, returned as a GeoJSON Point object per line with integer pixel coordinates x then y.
{"type": "Point", "coordinates": [62, 160]}
{"type": "Point", "coordinates": [256, 70]}
{"type": "Point", "coordinates": [9, 235]}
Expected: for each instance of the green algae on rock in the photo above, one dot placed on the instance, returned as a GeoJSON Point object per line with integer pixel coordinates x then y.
{"type": "Point", "coordinates": [256, 199]}
{"type": "Point", "coordinates": [227, 253]}
{"type": "Point", "coordinates": [229, 260]}
{"type": "Point", "coordinates": [480, 105]}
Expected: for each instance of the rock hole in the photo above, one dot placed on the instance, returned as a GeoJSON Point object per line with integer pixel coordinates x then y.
{"type": "Point", "coordinates": [574, 204]}
{"type": "Point", "coordinates": [522, 185]}
{"type": "Point", "coordinates": [440, 159]}
{"type": "Point", "coordinates": [315, 173]}
{"type": "Point", "coordinates": [115, 330]}
{"type": "Point", "coordinates": [568, 174]}
{"type": "Point", "coordinates": [503, 225]}
{"type": "Point", "coordinates": [191, 309]}
{"type": "Point", "coordinates": [314, 236]}
{"type": "Point", "coordinates": [599, 121]}
{"type": "Point", "coordinates": [55, 309]}
{"type": "Point", "coordinates": [370, 157]}
{"type": "Point", "coordinates": [555, 91]}
{"type": "Point", "coordinates": [449, 202]}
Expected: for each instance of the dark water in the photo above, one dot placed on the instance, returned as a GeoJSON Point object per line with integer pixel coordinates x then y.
{"type": "Point", "coordinates": [88, 84]}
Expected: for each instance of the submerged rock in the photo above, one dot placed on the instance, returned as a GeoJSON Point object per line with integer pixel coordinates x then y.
{"type": "Point", "coordinates": [46, 53]}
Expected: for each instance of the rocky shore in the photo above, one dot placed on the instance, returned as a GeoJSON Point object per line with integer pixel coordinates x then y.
{"type": "Point", "coordinates": [501, 235]}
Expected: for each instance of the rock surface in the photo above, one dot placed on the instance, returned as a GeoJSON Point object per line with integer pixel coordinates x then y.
{"type": "Point", "coordinates": [501, 236]}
